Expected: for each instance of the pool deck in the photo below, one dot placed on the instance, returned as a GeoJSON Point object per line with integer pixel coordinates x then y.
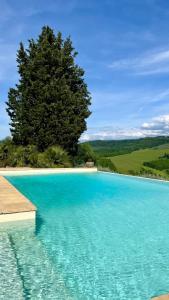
{"type": "Point", "coordinates": [162, 297]}
{"type": "Point", "coordinates": [13, 205]}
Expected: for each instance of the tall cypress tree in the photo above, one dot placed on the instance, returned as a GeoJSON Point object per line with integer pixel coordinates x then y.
{"type": "Point", "coordinates": [49, 105]}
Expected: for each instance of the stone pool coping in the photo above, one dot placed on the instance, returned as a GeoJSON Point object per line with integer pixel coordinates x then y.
{"type": "Point", "coordinates": [31, 171]}
{"type": "Point", "coordinates": [135, 176]}
{"type": "Point", "coordinates": [14, 206]}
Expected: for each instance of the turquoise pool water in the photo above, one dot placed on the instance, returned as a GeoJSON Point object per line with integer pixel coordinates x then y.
{"type": "Point", "coordinates": [98, 236]}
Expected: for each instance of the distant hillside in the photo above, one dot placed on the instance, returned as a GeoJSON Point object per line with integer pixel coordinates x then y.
{"type": "Point", "coordinates": [116, 147]}
{"type": "Point", "coordinates": [134, 161]}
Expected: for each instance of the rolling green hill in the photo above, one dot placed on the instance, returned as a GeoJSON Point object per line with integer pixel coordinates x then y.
{"type": "Point", "coordinates": [116, 147]}
{"type": "Point", "coordinates": [134, 161]}
{"type": "Point", "coordinates": [143, 157]}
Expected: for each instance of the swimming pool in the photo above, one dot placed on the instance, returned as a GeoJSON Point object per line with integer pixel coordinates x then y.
{"type": "Point", "coordinates": [98, 236]}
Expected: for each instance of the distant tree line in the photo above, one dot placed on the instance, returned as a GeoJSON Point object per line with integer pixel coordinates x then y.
{"type": "Point", "coordinates": [119, 147]}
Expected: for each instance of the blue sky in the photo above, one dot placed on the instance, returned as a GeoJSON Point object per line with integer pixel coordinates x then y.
{"type": "Point", "coordinates": [123, 46]}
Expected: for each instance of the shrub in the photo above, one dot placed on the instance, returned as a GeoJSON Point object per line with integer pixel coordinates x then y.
{"type": "Point", "coordinates": [6, 147]}
{"type": "Point", "coordinates": [106, 164]}
{"type": "Point", "coordinates": [33, 158]}
{"type": "Point", "coordinates": [54, 156]}
{"type": "Point", "coordinates": [57, 156]}
{"type": "Point", "coordinates": [85, 154]}
{"type": "Point", "coordinates": [42, 161]}
{"type": "Point", "coordinates": [30, 155]}
{"type": "Point", "coordinates": [19, 156]}
{"type": "Point", "coordinates": [16, 157]}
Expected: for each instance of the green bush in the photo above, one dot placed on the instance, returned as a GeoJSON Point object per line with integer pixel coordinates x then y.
{"type": "Point", "coordinates": [16, 157]}
{"type": "Point", "coordinates": [19, 156]}
{"type": "Point", "coordinates": [53, 157]}
{"type": "Point", "coordinates": [42, 161]}
{"type": "Point", "coordinates": [85, 154]}
{"type": "Point", "coordinates": [106, 164]}
{"type": "Point", "coordinates": [57, 156]}
{"type": "Point", "coordinates": [33, 158]}
{"type": "Point", "coordinates": [30, 155]}
{"type": "Point", "coordinates": [6, 147]}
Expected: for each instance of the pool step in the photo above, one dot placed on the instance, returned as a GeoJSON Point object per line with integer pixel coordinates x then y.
{"type": "Point", "coordinates": [10, 282]}
{"type": "Point", "coordinates": [40, 279]}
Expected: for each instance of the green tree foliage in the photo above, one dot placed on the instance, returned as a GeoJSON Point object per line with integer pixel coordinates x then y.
{"type": "Point", "coordinates": [166, 155]}
{"type": "Point", "coordinates": [49, 105]}
{"type": "Point", "coordinates": [159, 164]}
{"type": "Point", "coordinates": [85, 154]}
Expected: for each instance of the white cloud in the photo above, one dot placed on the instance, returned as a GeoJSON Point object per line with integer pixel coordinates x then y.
{"type": "Point", "coordinates": [158, 126]}
{"type": "Point", "coordinates": [114, 134]}
{"type": "Point", "coordinates": [149, 63]}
